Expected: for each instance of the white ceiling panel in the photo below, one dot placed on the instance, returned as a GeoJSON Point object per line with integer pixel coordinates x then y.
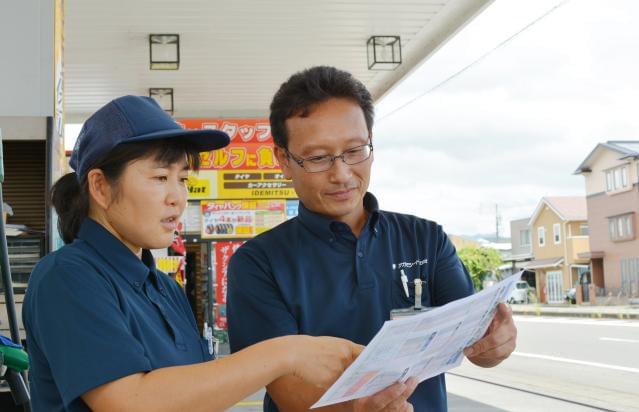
{"type": "Point", "coordinates": [235, 54]}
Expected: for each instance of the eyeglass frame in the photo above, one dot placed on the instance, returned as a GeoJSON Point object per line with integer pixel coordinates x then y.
{"type": "Point", "coordinates": [300, 161]}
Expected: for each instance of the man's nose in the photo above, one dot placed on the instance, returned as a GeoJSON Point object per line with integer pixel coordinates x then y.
{"type": "Point", "coordinates": [340, 171]}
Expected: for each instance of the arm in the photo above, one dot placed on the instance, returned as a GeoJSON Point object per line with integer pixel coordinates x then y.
{"type": "Point", "coordinates": [217, 385]}
{"type": "Point", "coordinates": [92, 354]}
{"type": "Point", "coordinates": [451, 280]}
{"type": "Point", "coordinates": [498, 342]}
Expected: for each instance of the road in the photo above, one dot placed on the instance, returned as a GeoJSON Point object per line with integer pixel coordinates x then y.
{"type": "Point", "coordinates": [566, 364]}
{"type": "Point", "coordinates": [590, 361]}
{"type": "Point", "coordinates": [593, 362]}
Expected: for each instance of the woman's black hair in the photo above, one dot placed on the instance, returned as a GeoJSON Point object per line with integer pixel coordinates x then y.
{"type": "Point", "coordinates": [70, 196]}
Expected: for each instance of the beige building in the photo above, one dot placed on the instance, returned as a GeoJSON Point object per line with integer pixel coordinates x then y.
{"type": "Point", "coordinates": [461, 242]}
{"type": "Point", "coordinates": [559, 234]}
{"type": "Point", "coordinates": [611, 173]}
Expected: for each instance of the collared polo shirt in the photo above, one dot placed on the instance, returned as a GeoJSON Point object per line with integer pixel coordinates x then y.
{"type": "Point", "coordinates": [311, 275]}
{"type": "Point", "coordinates": [94, 312]}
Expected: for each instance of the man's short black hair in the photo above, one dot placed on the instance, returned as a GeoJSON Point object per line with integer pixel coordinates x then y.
{"type": "Point", "coordinates": [305, 89]}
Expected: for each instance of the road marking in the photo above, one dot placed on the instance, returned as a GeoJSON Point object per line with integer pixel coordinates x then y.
{"type": "Point", "coordinates": [620, 340]}
{"type": "Point", "coordinates": [249, 403]}
{"type": "Point", "coordinates": [577, 321]}
{"type": "Point", "coordinates": [577, 362]}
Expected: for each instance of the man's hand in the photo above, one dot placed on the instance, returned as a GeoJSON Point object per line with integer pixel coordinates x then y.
{"type": "Point", "coordinates": [394, 398]}
{"type": "Point", "coordinates": [498, 342]}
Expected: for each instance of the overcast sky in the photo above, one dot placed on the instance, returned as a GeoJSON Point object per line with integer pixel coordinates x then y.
{"type": "Point", "coordinates": [515, 126]}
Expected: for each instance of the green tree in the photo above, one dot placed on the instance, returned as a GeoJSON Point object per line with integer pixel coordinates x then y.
{"type": "Point", "coordinates": [480, 262]}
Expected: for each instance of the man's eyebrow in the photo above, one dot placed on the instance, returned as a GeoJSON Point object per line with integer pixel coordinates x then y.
{"type": "Point", "coordinates": [354, 141]}
{"type": "Point", "coordinates": [313, 148]}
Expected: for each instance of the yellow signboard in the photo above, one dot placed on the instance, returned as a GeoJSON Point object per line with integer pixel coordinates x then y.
{"type": "Point", "coordinates": [201, 185]}
{"type": "Point", "coordinates": [169, 264]}
{"type": "Point", "coordinates": [254, 184]}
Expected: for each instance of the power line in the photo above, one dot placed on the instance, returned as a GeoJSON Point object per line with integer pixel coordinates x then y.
{"type": "Point", "coordinates": [481, 58]}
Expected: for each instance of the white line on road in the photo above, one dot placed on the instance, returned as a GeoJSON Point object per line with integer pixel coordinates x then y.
{"type": "Point", "coordinates": [576, 321]}
{"type": "Point", "coordinates": [620, 340]}
{"type": "Point", "coordinates": [577, 362]}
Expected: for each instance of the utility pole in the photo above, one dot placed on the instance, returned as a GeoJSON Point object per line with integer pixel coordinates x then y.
{"type": "Point", "coordinates": [497, 222]}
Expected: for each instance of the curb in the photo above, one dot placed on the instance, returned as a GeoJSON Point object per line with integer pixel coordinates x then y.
{"type": "Point", "coordinates": [575, 314]}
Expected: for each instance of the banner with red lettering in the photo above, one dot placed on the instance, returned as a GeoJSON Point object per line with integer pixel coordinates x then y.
{"type": "Point", "coordinates": [251, 144]}
{"type": "Point", "coordinates": [223, 253]}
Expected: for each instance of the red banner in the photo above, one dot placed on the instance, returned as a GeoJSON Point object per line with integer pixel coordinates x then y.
{"type": "Point", "coordinates": [223, 253]}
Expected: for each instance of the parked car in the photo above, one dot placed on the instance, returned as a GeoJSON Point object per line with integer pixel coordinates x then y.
{"type": "Point", "coordinates": [519, 293]}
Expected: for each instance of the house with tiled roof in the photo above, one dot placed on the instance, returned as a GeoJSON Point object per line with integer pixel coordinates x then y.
{"type": "Point", "coordinates": [611, 173]}
{"type": "Point", "coordinates": [559, 232]}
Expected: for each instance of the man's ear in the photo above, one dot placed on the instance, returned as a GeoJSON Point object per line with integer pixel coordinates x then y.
{"type": "Point", "coordinates": [284, 161]}
{"type": "Point", "coordinates": [99, 188]}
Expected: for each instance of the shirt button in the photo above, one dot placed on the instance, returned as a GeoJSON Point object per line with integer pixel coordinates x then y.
{"type": "Point", "coordinates": [360, 254]}
{"type": "Point", "coordinates": [331, 240]}
{"type": "Point", "coordinates": [137, 284]}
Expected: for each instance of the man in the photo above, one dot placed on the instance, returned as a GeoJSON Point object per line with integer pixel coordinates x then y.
{"type": "Point", "coordinates": [336, 269]}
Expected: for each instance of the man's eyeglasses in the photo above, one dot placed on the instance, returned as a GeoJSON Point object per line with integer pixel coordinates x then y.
{"type": "Point", "coordinates": [315, 164]}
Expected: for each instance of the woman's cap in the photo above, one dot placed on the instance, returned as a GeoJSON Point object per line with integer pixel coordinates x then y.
{"type": "Point", "coordinates": [133, 119]}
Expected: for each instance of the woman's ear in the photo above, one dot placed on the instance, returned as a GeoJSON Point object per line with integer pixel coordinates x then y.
{"type": "Point", "coordinates": [100, 190]}
{"type": "Point", "coordinates": [283, 160]}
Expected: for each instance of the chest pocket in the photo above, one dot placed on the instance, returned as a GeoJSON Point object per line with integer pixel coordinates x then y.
{"type": "Point", "coordinates": [398, 293]}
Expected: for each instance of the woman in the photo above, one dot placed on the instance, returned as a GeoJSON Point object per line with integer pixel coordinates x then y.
{"type": "Point", "coordinates": [105, 329]}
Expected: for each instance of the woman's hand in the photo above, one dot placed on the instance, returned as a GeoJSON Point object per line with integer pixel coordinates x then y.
{"type": "Point", "coordinates": [321, 360]}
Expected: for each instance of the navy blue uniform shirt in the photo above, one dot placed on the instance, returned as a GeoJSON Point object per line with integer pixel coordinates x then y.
{"type": "Point", "coordinates": [94, 312]}
{"type": "Point", "coordinates": [311, 275]}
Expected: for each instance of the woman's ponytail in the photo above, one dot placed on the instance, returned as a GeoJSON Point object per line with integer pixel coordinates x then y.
{"type": "Point", "coordinates": [71, 202]}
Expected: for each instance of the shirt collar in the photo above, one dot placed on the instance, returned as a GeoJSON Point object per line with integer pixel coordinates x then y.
{"type": "Point", "coordinates": [324, 227]}
{"type": "Point", "coordinates": [121, 258]}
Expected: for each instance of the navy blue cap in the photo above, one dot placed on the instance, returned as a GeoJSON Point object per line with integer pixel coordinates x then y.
{"type": "Point", "coordinates": [133, 119]}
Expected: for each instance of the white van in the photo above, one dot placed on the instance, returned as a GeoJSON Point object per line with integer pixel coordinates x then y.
{"type": "Point", "coordinates": [519, 293]}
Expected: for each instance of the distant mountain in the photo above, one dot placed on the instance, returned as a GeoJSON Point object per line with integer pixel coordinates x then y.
{"type": "Point", "coordinates": [488, 236]}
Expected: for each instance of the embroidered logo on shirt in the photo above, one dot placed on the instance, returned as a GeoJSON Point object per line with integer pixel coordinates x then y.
{"type": "Point", "coordinates": [410, 264]}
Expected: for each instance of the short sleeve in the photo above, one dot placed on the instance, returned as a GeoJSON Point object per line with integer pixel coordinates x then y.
{"type": "Point", "coordinates": [452, 280]}
{"type": "Point", "coordinates": [255, 308]}
{"type": "Point", "coordinates": [79, 328]}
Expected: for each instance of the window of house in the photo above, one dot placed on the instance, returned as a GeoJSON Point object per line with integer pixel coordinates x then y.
{"type": "Point", "coordinates": [583, 229]}
{"type": "Point", "coordinates": [624, 177]}
{"type": "Point", "coordinates": [541, 236]}
{"type": "Point", "coordinates": [610, 184]}
{"type": "Point", "coordinates": [621, 227]}
{"type": "Point", "coordinates": [629, 274]}
{"type": "Point", "coordinates": [617, 178]}
{"type": "Point", "coordinates": [556, 233]}
{"type": "Point", "coordinates": [524, 237]}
